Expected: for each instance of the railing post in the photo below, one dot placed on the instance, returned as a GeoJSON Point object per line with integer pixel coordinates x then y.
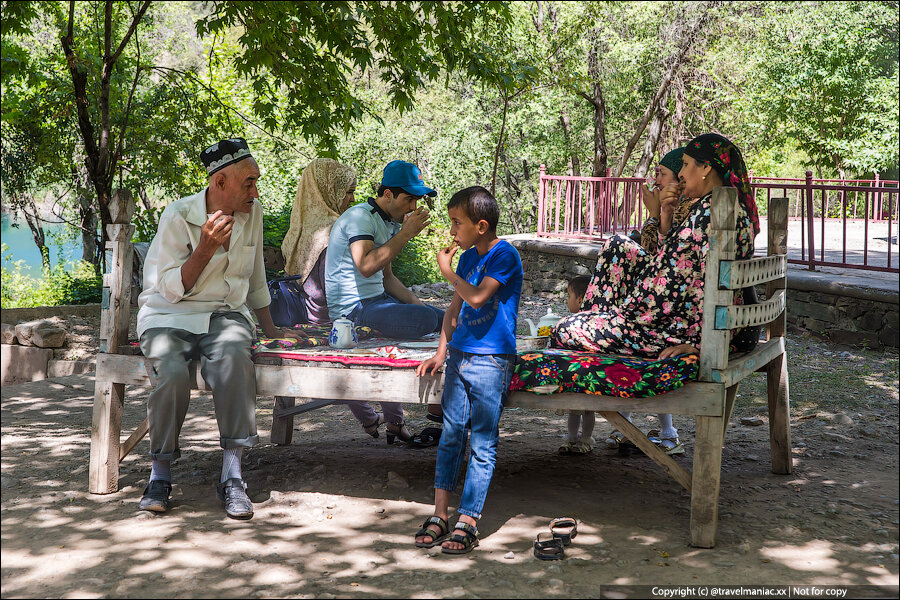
{"type": "Point", "coordinates": [810, 222]}
{"type": "Point", "coordinates": [541, 200]}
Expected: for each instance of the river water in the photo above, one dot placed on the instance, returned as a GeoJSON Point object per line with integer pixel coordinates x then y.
{"type": "Point", "coordinates": [62, 240]}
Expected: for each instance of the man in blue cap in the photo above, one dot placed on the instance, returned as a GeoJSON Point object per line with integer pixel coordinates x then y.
{"type": "Point", "coordinates": [359, 282]}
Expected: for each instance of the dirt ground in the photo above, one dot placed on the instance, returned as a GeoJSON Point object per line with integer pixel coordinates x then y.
{"type": "Point", "coordinates": [336, 510]}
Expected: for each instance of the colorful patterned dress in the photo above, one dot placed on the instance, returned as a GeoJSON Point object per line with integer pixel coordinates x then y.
{"type": "Point", "coordinates": [639, 303]}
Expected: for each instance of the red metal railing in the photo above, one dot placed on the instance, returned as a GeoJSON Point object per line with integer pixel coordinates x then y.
{"type": "Point", "coordinates": [843, 223]}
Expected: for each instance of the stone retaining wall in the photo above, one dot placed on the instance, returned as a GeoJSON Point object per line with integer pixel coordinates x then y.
{"type": "Point", "coordinates": [821, 303]}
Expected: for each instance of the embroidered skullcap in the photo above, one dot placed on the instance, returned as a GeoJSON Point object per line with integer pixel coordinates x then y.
{"type": "Point", "coordinates": [672, 160]}
{"type": "Point", "coordinates": [224, 153]}
{"type": "Point", "coordinates": [726, 160]}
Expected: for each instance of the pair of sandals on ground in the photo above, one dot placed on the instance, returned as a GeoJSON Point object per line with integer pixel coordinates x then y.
{"type": "Point", "coordinates": [547, 546]}
{"type": "Point", "coordinates": [670, 446]}
{"type": "Point", "coordinates": [617, 439]}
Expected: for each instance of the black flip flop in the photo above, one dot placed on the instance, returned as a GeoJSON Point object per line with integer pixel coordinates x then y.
{"type": "Point", "coordinates": [564, 529]}
{"type": "Point", "coordinates": [428, 437]}
{"type": "Point", "coordinates": [548, 548]}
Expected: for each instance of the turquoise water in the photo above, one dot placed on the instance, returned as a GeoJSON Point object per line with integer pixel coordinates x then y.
{"type": "Point", "coordinates": [63, 245]}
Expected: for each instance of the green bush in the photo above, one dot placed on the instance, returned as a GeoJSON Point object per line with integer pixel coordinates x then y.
{"type": "Point", "coordinates": [417, 262]}
{"type": "Point", "coordinates": [71, 283]}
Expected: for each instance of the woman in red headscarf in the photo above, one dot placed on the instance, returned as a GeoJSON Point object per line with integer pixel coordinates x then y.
{"type": "Point", "coordinates": [650, 304]}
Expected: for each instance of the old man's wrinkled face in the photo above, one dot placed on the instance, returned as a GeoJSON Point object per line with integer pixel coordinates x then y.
{"type": "Point", "coordinates": [240, 185]}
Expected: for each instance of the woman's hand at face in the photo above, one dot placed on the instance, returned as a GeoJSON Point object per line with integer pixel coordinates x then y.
{"type": "Point", "coordinates": [651, 201]}
{"type": "Point", "coordinates": [668, 197]}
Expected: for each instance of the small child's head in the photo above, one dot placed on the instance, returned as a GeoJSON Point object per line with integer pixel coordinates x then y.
{"type": "Point", "coordinates": [577, 289]}
{"type": "Point", "coordinates": [473, 214]}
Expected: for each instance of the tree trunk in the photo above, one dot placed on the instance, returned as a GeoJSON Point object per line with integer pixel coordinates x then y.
{"type": "Point", "coordinates": [685, 44]}
{"type": "Point", "coordinates": [88, 223]}
{"type": "Point", "coordinates": [499, 143]}
{"type": "Point", "coordinates": [653, 134]}
{"type": "Point", "coordinates": [537, 17]}
{"type": "Point", "coordinates": [601, 155]}
{"type": "Point", "coordinates": [37, 231]}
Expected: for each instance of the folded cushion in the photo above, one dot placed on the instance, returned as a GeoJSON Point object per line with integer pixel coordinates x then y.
{"type": "Point", "coordinates": [556, 370]}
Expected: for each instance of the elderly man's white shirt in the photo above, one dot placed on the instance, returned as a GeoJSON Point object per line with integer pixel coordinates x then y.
{"type": "Point", "coordinates": [233, 280]}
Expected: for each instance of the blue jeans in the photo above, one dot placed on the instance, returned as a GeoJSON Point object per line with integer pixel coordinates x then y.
{"type": "Point", "coordinates": [475, 388]}
{"type": "Point", "coordinates": [394, 319]}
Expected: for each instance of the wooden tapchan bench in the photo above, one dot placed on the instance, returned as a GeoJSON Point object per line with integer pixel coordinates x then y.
{"type": "Point", "coordinates": [710, 399]}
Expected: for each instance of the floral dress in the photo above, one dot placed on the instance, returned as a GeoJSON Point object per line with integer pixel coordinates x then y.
{"type": "Point", "coordinates": [638, 302]}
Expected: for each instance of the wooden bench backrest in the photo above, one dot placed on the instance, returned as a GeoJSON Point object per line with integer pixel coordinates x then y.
{"type": "Point", "coordinates": [725, 275]}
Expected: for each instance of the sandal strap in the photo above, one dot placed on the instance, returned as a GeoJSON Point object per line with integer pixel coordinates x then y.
{"type": "Point", "coordinates": [552, 542]}
{"type": "Point", "coordinates": [567, 523]}
{"type": "Point", "coordinates": [434, 520]}
{"type": "Point", "coordinates": [470, 530]}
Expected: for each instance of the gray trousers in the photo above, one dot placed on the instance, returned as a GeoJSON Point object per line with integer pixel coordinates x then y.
{"type": "Point", "coordinates": [226, 366]}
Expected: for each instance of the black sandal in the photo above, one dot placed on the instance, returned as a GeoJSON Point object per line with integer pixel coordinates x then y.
{"type": "Point", "coordinates": [399, 431]}
{"type": "Point", "coordinates": [430, 436]}
{"type": "Point", "coordinates": [469, 540]}
{"type": "Point", "coordinates": [564, 529]}
{"type": "Point", "coordinates": [436, 538]}
{"type": "Point", "coordinates": [548, 549]}
{"type": "Point", "coordinates": [372, 428]}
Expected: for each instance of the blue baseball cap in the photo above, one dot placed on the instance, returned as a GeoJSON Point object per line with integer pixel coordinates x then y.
{"type": "Point", "coordinates": [401, 174]}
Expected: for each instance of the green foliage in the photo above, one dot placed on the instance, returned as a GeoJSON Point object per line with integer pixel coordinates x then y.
{"type": "Point", "coordinates": [300, 57]}
{"type": "Point", "coordinates": [416, 263]}
{"type": "Point", "coordinates": [74, 283]}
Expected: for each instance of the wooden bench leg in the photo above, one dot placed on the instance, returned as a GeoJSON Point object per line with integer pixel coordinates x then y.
{"type": "Point", "coordinates": [105, 432]}
{"type": "Point", "coordinates": [705, 482]}
{"type": "Point", "coordinates": [282, 426]}
{"type": "Point", "coordinates": [779, 415]}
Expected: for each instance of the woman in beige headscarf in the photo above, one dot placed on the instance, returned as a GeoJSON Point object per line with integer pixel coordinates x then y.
{"type": "Point", "coordinates": [326, 190]}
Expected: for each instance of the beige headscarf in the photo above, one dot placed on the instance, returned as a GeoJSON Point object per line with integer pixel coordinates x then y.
{"type": "Point", "coordinates": [321, 193]}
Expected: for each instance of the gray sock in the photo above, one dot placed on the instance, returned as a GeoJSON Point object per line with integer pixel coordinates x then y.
{"type": "Point", "coordinates": [231, 464]}
{"type": "Point", "coordinates": [666, 429]}
{"type": "Point", "coordinates": [161, 469]}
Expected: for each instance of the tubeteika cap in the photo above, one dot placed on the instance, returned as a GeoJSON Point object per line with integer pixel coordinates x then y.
{"type": "Point", "coordinates": [224, 153]}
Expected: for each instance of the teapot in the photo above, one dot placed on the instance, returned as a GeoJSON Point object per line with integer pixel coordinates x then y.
{"type": "Point", "coordinates": [545, 324]}
{"type": "Point", "coordinates": [343, 334]}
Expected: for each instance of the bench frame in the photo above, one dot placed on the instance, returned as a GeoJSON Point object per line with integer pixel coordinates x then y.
{"type": "Point", "coordinates": [710, 399]}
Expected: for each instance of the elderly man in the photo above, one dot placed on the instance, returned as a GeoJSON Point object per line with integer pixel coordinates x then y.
{"type": "Point", "coordinates": [203, 270]}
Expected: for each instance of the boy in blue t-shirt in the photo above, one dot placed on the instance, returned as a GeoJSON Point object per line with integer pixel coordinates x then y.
{"type": "Point", "coordinates": [480, 330]}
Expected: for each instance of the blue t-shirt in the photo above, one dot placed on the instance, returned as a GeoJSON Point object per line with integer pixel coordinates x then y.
{"type": "Point", "coordinates": [490, 329]}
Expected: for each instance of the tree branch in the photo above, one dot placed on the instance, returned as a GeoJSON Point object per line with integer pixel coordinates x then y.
{"type": "Point", "coordinates": [131, 29]}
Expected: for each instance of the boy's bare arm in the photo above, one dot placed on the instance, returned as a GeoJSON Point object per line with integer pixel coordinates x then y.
{"type": "Point", "coordinates": [451, 318]}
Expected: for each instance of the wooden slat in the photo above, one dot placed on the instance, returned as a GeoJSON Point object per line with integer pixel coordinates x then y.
{"type": "Point", "coordinates": [310, 382]}
{"type": "Point", "coordinates": [777, 244]}
{"type": "Point", "coordinates": [136, 436]}
{"type": "Point", "coordinates": [738, 274]}
{"type": "Point", "coordinates": [282, 426]}
{"type": "Point", "coordinates": [748, 315]}
{"type": "Point", "coordinates": [676, 471]}
{"type": "Point", "coordinates": [730, 395]}
{"type": "Point", "coordinates": [695, 398]}
{"type": "Point", "coordinates": [739, 368]}
{"type": "Point", "coordinates": [723, 219]}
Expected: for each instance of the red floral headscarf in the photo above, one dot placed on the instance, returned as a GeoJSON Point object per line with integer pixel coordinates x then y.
{"type": "Point", "coordinates": [725, 158]}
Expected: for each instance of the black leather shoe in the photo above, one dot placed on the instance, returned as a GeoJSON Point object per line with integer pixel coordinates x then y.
{"type": "Point", "coordinates": [237, 503]}
{"type": "Point", "coordinates": [156, 496]}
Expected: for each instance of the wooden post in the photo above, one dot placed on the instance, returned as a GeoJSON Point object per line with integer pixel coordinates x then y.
{"type": "Point", "coordinates": [282, 427]}
{"type": "Point", "coordinates": [705, 482]}
{"type": "Point", "coordinates": [115, 315]}
{"type": "Point", "coordinates": [723, 220]}
{"type": "Point", "coordinates": [776, 371]}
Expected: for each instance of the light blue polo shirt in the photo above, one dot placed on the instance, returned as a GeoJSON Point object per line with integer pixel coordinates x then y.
{"type": "Point", "coordinates": [344, 284]}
